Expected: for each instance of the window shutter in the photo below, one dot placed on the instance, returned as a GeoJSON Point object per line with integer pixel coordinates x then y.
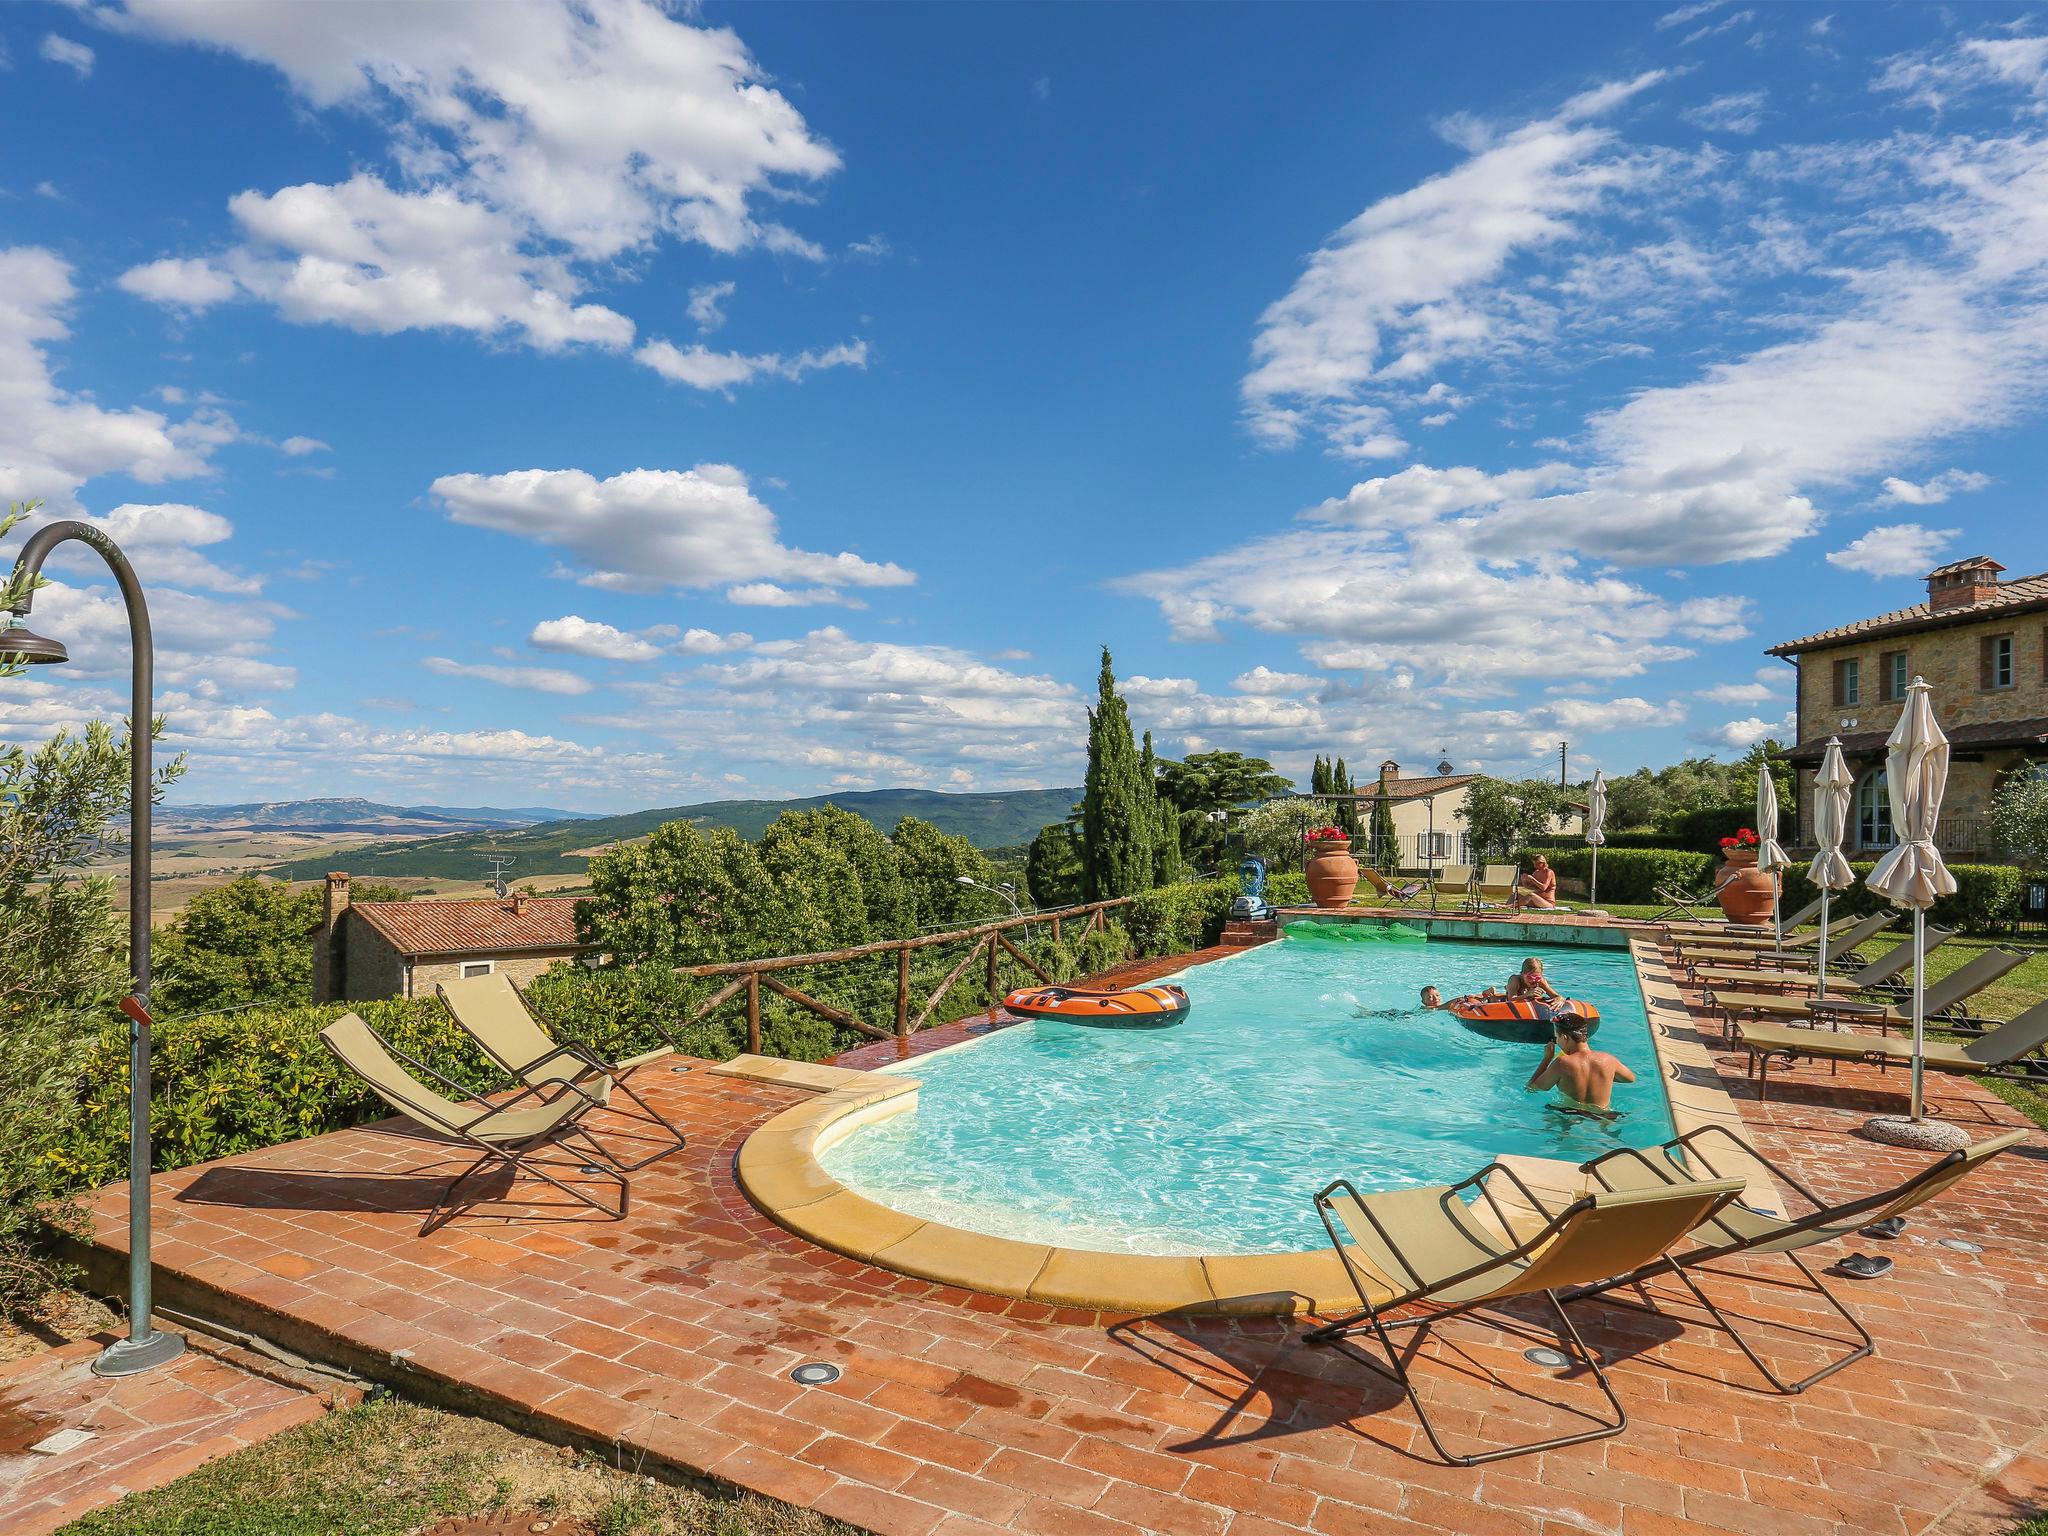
{"type": "Point", "coordinates": [1841, 686]}
{"type": "Point", "coordinates": [1985, 662]}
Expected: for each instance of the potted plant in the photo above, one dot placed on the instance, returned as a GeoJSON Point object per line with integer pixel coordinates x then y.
{"type": "Point", "coordinates": [1744, 891]}
{"type": "Point", "coordinates": [1332, 872]}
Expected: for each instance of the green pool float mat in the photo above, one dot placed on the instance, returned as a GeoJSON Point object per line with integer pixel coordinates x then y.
{"type": "Point", "coordinates": [1356, 933]}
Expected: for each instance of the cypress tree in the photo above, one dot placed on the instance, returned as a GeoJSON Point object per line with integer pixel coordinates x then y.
{"type": "Point", "coordinates": [1347, 810]}
{"type": "Point", "coordinates": [1167, 868]}
{"type": "Point", "coordinates": [1386, 851]}
{"type": "Point", "coordinates": [1116, 830]}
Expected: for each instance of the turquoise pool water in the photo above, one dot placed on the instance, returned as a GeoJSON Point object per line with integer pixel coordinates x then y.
{"type": "Point", "coordinates": [1300, 1062]}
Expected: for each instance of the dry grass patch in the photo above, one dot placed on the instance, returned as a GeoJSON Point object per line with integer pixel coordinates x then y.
{"type": "Point", "coordinates": [389, 1468]}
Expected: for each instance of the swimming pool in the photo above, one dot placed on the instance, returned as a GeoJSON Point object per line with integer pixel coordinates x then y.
{"type": "Point", "coordinates": [1300, 1062]}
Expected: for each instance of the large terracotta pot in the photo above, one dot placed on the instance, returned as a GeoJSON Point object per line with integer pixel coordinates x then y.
{"type": "Point", "coordinates": [1745, 891]}
{"type": "Point", "coordinates": [1332, 875]}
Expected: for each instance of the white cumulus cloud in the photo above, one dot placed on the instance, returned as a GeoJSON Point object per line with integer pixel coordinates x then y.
{"type": "Point", "coordinates": [651, 528]}
{"type": "Point", "coordinates": [1894, 549]}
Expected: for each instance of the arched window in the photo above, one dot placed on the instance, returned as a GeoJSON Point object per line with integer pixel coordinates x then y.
{"type": "Point", "coordinates": [1874, 811]}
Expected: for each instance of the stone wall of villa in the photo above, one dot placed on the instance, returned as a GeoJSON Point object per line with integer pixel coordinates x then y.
{"type": "Point", "coordinates": [1947, 658]}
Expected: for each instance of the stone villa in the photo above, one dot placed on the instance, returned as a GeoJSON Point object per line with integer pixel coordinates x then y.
{"type": "Point", "coordinates": [373, 949]}
{"type": "Point", "coordinates": [1982, 642]}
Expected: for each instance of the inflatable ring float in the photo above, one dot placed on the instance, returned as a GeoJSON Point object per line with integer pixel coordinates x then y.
{"type": "Point", "coordinates": [1152, 1007]}
{"type": "Point", "coordinates": [1522, 1021]}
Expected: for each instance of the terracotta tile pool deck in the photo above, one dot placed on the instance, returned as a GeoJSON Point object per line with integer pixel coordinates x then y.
{"type": "Point", "coordinates": [668, 1338]}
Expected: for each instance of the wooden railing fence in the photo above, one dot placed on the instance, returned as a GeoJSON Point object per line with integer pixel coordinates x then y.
{"type": "Point", "coordinates": [991, 942]}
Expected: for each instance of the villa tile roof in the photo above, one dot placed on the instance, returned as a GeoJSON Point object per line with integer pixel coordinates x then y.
{"type": "Point", "coordinates": [1992, 733]}
{"type": "Point", "coordinates": [490, 926]}
{"type": "Point", "coordinates": [1415, 789]}
{"type": "Point", "coordinates": [2023, 594]}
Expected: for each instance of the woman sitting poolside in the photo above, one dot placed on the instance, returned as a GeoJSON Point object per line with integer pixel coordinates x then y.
{"type": "Point", "coordinates": [1539, 886]}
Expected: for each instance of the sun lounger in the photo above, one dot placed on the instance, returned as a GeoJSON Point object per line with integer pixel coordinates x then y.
{"type": "Point", "coordinates": [1943, 999]}
{"type": "Point", "coordinates": [1409, 893]}
{"type": "Point", "coordinates": [1880, 974]}
{"type": "Point", "coordinates": [1684, 902]}
{"type": "Point", "coordinates": [1994, 1053]}
{"type": "Point", "coordinates": [1721, 928]}
{"type": "Point", "coordinates": [508, 1133]}
{"type": "Point", "coordinates": [1792, 956]}
{"type": "Point", "coordinates": [491, 1012]}
{"type": "Point", "coordinates": [1456, 879]}
{"type": "Point", "coordinates": [1427, 1245]}
{"type": "Point", "coordinates": [1737, 1230]}
{"type": "Point", "coordinates": [1500, 883]}
{"type": "Point", "coordinates": [1736, 950]}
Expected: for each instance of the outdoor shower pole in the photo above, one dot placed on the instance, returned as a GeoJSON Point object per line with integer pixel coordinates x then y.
{"type": "Point", "coordinates": [144, 1348]}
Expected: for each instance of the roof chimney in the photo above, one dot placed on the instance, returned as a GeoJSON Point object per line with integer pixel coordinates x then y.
{"type": "Point", "coordinates": [1961, 583]}
{"type": "Point", "coordinates": [519, 903]}
{"type": "Point", "coordinates": [330, 945]}
{"type": "Point", "coordinates": [1389, 770]}
{"type": "Point", "coordinates": [337, 896]}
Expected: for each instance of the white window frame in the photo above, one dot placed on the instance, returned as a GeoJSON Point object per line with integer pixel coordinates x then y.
{"type": "Point", "coordinates": [1852, 680]}
{"type": "Point", "coordinates": [471, 969]}
{"type": "Point", "coordinates": [2001, 661]}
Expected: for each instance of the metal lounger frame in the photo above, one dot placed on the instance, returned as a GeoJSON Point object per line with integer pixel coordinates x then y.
{"type": "Point", "coordinates": [1369, 1314]}
{"type": "Point", "coordinates": [589, 1058]}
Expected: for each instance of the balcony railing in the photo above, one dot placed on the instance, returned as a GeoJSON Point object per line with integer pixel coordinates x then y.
{"type": "Point", "coordinates": [1970, 838]}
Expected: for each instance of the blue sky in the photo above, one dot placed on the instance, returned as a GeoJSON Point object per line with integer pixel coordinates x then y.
{"type": "Point", "coordinates": [614, 407]}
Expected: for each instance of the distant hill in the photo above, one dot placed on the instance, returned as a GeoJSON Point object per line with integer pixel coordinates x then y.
{"type": "Point", "coordinates": [987, 821]}
{"type": "Point", "coordinates": [352, 815]}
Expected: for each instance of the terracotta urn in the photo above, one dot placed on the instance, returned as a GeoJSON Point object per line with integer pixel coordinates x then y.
{"type": "Point", "coordinates": [1745, 891]}
{"type": "Point", "coordinates": [1332, 875]}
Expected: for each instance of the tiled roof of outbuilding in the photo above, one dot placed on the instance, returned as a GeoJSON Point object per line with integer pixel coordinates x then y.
{"type": "Point", "coordinates": [490, 926]}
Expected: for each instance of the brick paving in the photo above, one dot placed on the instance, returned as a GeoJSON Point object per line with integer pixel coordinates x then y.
{"type": "Point", "coordinates": [670, 1335]}
{"type": "Point", "coordinates": [147, 1430]}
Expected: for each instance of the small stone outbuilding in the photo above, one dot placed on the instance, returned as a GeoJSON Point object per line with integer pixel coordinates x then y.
{"type": "Point", "coordinates": [375, 949]}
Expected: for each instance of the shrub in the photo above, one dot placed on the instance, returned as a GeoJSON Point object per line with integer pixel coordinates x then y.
{"type": "Point", "coordinates": [1287, 888]}
{"type": "Point", "coordinates": [1174, 919]}
{"type": "Point", "coordinates": [1987, 896]}
{"type": "Point", "coordinates": [1101, 950]}
{"type": "Point", "coordinates": [1632, 875]}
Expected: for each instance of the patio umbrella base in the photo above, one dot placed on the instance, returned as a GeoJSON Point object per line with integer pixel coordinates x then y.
{"type": "Point", "coordinates": [1921, 1135]}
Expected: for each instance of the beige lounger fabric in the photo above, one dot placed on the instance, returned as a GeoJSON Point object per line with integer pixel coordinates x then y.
{"type": "Point", "coordinates": [1995, 1048]}
{"type": "Point", "coordinates": [493, 1013]}
{"type": "Point", "coordinates": [1956, 987]}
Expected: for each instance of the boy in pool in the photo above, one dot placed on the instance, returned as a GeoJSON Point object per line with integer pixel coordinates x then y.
{"type": "Point", "coordinates": [1583, 1077]}
{"type": "Point", "coordinates": [1433, 998]}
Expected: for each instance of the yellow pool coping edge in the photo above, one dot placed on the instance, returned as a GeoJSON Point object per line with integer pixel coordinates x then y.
{"type": "Point", "coordinates": [778, 1167]}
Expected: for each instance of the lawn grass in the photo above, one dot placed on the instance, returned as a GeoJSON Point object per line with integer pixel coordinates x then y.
{"type": "Point", "coordinates": [388, 1467]}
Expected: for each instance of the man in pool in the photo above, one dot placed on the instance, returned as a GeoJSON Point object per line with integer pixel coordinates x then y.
{"type": "Point", "coordinates": [1583, 1077]}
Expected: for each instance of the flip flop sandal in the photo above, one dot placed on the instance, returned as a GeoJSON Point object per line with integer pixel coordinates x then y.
{"type": "Point", "coordinates": [1863, 1266]}
{"type": "Point", "coordinates": [1888, 1228]}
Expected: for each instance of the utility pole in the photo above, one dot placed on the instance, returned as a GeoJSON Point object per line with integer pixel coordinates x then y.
{"type": "Point", "coordinates": [1562, 748]}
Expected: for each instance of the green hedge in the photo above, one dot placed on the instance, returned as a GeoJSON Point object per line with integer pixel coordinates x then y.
{"type": "Point", "coordinates": [1987, 898]}
{"type": "Point", "coordinates": [1632, 875]}
{"type": "Point", "coordinates": [1551, 842]}
{"type": "Point", "coordinates": [1177, 918]}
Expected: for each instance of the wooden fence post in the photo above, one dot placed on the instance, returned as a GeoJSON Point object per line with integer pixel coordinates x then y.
{"type": "Point", "coordinates": [1055, 930]}
{"type": "Point", "coordinates": [994, 954]}
{"type": "Point", "coordinates": [754, 1012]}
{"type": "Point", "coordinates": [903, 993]}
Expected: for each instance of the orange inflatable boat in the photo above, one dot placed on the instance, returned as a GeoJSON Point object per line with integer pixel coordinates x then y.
{"type": "Point", "coordinates": [1522, 1020]}
{"type": "Point", "coordinates": [1151, 1007]}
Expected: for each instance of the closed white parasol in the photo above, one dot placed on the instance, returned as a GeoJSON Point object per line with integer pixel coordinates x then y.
{"type": "Point", "coordinates": [1830, 871]}
{"type": "Point", "coordinates": [1913, 874]}
{"type": "Point", "coordinates": [1596, 831]}
{"type": "Point", "coordinates": [1770, 858]}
